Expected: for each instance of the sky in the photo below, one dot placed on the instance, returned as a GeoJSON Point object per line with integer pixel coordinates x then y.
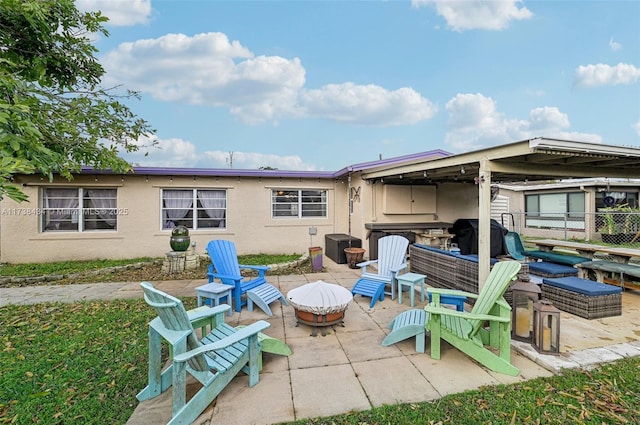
{"type": "Point", "coordinates": [321, 85]}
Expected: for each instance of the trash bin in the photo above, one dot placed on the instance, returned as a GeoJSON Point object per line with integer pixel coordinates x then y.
{"type": "Point", "coordinates": [315, 253]}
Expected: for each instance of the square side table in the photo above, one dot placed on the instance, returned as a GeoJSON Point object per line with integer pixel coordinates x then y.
{"type": "Point", "coordinates": [216, 292]}
{"type": "Point", "coordinates": [410, 280]}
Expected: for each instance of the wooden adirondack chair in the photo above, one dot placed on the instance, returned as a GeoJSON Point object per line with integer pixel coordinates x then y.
{"type": "Point", "coordinates": [466, 330]}
{"type": "Point", "coordinates": [224, 266]}
{"type": "Point", "coordinates": [213, 361]}
{"type": "Point", "coordinates": [392, 259]}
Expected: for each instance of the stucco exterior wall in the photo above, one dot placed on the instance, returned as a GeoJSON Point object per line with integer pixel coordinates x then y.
{"type": "Point", "coordinates": [139, 234]}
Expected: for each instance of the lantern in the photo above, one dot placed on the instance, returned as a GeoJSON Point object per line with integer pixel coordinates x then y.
{"type": "Point", "coordinates": [524, 295]}
{"type": "Point", "coordinates": [546, 328]}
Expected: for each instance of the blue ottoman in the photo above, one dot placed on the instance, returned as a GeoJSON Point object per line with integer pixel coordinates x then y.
{"type": "Point", "coordinates": [582, 297]}
{"type": "Point", "coordinates": [546, 269]}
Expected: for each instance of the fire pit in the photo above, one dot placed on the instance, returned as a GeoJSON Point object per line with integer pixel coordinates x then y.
{"type": "Point", "coordinates": [320, 304]}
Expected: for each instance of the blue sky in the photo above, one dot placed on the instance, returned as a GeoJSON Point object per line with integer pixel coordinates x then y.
{"type": "Point", "coordinates": [320, 85]}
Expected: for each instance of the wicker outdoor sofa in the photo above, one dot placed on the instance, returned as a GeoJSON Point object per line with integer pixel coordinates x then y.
{"type": "Point", "coordinates": [447, 270]}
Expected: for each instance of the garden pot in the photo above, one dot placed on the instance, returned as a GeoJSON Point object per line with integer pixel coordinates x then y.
{"type": "Point", "coordinates": [354, 256]}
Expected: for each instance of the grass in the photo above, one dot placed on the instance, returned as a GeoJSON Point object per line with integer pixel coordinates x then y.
{"type": "Point", "coordinates": [70, 364]}
{"type": "Point", "coordinates": [66, 267]}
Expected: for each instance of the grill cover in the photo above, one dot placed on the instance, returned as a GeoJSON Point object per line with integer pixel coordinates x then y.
{"type": "Point", "coordinates": [320, 298]}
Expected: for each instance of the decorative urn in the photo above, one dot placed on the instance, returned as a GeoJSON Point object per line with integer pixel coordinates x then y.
{"type": "Point", "coordinates": [180, 240]}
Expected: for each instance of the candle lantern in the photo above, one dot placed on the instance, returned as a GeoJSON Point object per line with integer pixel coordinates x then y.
{"type": "Point", "coordinates": [524, 295]}
{"type": "Point", "coordinates": [546, 328]}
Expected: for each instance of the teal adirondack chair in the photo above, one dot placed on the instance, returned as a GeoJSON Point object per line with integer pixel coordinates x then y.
{"type": "Point", "coordinates": [224, 266]}
{"type": "Point", "coordinates": [392, 259]}
{"type": "Point", "coordinates": [466, 331]}
{"type": "Point", "coordinates": [213, 361]}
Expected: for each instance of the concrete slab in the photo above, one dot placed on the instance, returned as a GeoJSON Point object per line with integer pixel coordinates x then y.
{"type": "Point", "coordinates": [325, 391]}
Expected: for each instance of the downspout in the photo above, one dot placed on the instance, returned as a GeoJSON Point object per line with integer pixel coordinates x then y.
{"type": "Point", "coordinates": [350, 206]}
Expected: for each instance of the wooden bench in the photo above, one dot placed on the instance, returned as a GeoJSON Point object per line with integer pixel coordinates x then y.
{"type": "Point", "coordinates": [405, 325]}
{"type": "Point", "coordinates": [612, 272]}
{"type": "Point", "coordinates": [584, 298]}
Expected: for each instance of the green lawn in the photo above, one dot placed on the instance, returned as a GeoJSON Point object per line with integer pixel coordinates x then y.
{"type": "Point", "coordinates": [83, 363]}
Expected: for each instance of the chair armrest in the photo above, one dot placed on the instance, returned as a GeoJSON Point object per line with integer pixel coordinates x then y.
{"type": "Point", "coordinates": [203, 313]}
{"type": "Point", "coordinates": [263, 268]}
{"type": "Point", "coordinates": [244, 333]}
{"type": "Point", "coordinates": [169, 335]}
{"type": "Point", "coordinates": [443, 311]}
{"type": "Point", "coordinates": [398, 268]}
{"type": "Point", "coordinates": [444, 291]}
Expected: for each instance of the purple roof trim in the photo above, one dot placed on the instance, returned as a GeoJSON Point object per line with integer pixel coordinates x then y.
{"type": "Point", "coordinates": [234, 172]}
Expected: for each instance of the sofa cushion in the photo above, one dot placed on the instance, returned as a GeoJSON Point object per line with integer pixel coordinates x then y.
{"type": "Point", "coordinates": [546, 268]}
{"type": "Point", "coordinates": [582, 286]}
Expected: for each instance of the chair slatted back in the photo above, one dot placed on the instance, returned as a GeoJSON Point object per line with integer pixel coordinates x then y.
{"type": "Point", "coordinates": [392, 251]}
{"type": "Point", "coordinates": [224, 258]}
{"type": "Point", "coordinates": [174, 317]}
{"type": "Point", "coordinates": [501, 276]}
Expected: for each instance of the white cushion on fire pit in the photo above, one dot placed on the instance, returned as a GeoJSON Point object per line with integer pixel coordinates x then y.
{"type": "Point", "coordinates": [320, 298]}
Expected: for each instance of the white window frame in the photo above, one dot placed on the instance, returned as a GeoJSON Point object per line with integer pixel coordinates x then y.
{"type": "Point", "coordinates": [104, 213]}
{"type": "Point", "coordinates": [293, 200]}
{"type": "Point", "coordinates": [199, 209]}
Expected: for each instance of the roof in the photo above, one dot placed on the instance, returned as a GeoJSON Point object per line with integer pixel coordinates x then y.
{"type": "Point", "coordinates": [571, 183]}
{"type": "Point", "coordinates": [235, 172]}
{"type": "Point", "coordinates": [538, 159]}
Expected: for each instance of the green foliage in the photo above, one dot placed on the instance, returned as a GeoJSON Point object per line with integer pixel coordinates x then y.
{"type": "Point", "coordinates": [263, 259]}
{"type": "Point", "coordinates": [63, 267]}
{"type": "Point", "coordinates": [54, 115]}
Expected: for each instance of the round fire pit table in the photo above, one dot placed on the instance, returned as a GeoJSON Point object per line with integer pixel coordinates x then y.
{"type": "Point", "coordinates": [320, 304]}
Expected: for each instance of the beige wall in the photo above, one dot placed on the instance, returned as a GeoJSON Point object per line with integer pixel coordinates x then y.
{"type": "Point", "coordinates": [249, 222]}
{"type": "Point", "coordinates": [139, 234]}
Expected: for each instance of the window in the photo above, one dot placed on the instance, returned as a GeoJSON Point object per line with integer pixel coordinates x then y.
{"type": "Point", "coordinates": [194, 208]}
{"type": "Point", "coordinates": [555, 210]}
{"type": "Point", "coordinates": [298, 203]}
{"type": "Point", "coordinates": [79, 209]}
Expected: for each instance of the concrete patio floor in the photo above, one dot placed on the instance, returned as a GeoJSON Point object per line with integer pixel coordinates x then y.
{"type": "Point", "coordinates": [348, 369]}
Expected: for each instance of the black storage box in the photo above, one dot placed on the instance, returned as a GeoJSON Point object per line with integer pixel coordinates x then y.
{"type": "Point", "coordinates": [373, 243]}
{"type": "Point", "coordinates": [335, 244]}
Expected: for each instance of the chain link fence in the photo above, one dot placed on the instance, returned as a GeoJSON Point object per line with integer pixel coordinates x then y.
{"type": "Point", "coordinates": [607, 227]}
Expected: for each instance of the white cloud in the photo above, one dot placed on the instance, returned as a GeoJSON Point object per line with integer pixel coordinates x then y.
{"type": "Point", "coordinates": [614, 45]}
{"type": "Point", "coordinates": [119, 12]}
{"type": "Point", "coordinates": [602, 74]}
{"type": "Point", "coordinates": [475, 122]}
{"type": "Point", "coordinates": [478, 14]}
{"type": "Point", "coordinates": [636, 126]}
{"type": "Point", "coordinates": [210, 70]}
{"type": "Point", "coordinates": [367, 104]}
{"type": "Point", "coordinates": [175, 152]}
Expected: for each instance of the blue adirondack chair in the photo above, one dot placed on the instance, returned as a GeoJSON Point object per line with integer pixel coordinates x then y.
{"type": "Point", "coordinates": [466, 331]}
{"type": "Point", "coordinates": [213, 361]}
{"type": "Point", "coordinates": [392, 259]}
{"type": "Point", "coordinates": [224, 266]}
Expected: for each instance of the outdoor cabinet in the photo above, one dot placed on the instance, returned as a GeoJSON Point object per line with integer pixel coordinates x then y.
{"type": "Point", "coordinates": [335, 244]}
{"type": "Point", "coordinates": [408, 199]}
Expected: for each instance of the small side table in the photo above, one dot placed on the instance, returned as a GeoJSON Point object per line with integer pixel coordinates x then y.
{"type": "Point", "coordinates": [410, 280]}
{"type": "Point", "coordinates": [215, 292]}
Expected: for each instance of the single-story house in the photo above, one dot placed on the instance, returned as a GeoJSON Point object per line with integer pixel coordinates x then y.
{"type": "Point", "coordinates": [100, 214]}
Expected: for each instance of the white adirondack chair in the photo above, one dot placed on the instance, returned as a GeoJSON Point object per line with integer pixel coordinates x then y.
{"type": "Point", "coordinates": [392, 259]}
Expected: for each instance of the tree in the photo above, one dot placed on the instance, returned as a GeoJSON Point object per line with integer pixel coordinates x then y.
{"type": "Point", "coordinates": [54, 115]}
